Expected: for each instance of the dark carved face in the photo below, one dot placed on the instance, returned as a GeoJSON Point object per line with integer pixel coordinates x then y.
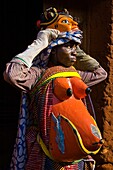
{"type": "Point", "coordinates": [64, 54]}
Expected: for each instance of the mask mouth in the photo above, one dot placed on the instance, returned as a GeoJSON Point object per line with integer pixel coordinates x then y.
{"type": "Point", "coordinates": [73, 58]}
{"type": "Point", "coordinates": [75, 28]}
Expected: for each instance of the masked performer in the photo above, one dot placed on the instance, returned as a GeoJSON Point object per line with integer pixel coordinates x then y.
{"type": "Point", "coordinates": [56, 50]}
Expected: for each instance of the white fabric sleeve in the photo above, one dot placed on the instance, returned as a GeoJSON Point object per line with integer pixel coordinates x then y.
{"type": "Point", "coordinates": [43, 39]}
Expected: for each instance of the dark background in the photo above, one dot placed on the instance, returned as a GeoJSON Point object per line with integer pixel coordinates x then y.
{"type": "Point", "coordinates": [18, 29]}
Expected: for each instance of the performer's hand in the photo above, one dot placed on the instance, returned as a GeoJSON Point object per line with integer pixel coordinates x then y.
{"type": "Point", "coordinates": [52, 33]}
{"type": "Point", "coordinates": [85, 62]}
{"type": "Point", "coordinates": [47, 35]}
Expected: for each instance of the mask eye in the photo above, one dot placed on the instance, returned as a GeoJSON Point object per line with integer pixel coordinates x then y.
{"type": "Point", "coordinates": [65, 21]}
{"type": "Point", "coordinates": [70, 44]}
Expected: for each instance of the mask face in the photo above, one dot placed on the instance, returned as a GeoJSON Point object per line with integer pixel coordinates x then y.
{"type": "Point", "coordinates": [64, 24]}
{"type": "Point", "coordinates": [64, 54]}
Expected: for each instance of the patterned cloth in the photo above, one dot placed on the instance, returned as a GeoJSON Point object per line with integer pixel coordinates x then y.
{"type": "Point", "coordinates": [20, 154]}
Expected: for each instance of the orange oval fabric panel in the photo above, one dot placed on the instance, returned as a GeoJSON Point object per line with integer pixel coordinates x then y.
{"type": "Point", "coordinates": [73, 132]}
{"type": "Point", "coordinates": [72, 150]}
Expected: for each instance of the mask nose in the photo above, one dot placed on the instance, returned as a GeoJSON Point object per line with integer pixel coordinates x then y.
{"type": "Point", "coordinates": [73, 51]}
{"type": "Point", "coordinates": [74, 24]}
